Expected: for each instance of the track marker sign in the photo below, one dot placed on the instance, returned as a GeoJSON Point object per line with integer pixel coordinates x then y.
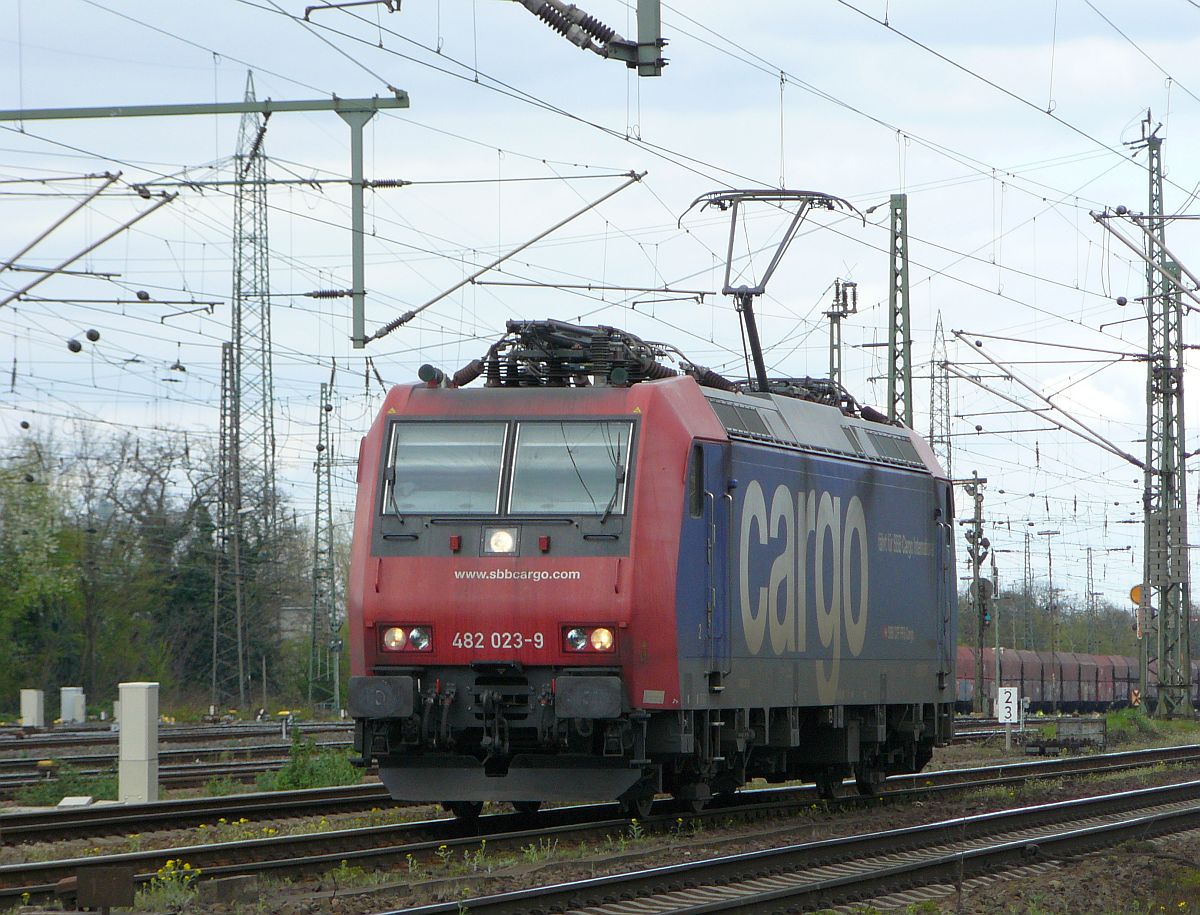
{"type": "Point", "coordinates": [1008, 711]}
{"type": "Point", "coordinates": [1008, 705]}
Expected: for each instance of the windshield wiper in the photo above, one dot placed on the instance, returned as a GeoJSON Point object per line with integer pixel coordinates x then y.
{"type": "Point", "coordinates": [390, 479]}
{"type": "Point", "coordinates": [612, 501]}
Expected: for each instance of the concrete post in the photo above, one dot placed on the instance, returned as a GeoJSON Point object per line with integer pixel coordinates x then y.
{"type": "Point", "coordinates": [116, 710]}
{"type": "Point", "coordinates": [137, 766]}
{"type": "Point", "coordinates": [33, 708]}
{"type": "Point", "coordinates": [72, 705]}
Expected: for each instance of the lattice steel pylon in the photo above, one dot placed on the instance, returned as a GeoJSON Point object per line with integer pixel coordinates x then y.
{"type": "Point", "coordinates": [1163, 611]}
{"type": "Point", "coordinates": [326, 624]}
{"type": "Point", "coordinates": [251, 335]}
{"type": "Point", "coordinates": [228, 675]}
{"type": "Point", "coordinates": [939, 400]}
{"type": "Point", "coordinates": [900, 406]}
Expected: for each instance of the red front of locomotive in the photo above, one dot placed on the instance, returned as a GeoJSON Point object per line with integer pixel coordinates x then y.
{"type": "Point", "coordinates": [512, 586]}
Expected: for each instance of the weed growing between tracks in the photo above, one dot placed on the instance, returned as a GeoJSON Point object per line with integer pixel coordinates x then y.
{"type": "Point", "coordinates": [170, 889]}
{"type": "Point", "coordinates": [68, 781]}
{"type": "Point", "coordinates": [222, 786]}
{"type": "Point", "coordinates": [310, 767]}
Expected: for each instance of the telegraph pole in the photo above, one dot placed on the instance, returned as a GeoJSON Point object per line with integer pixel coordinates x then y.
{"type": "Point", "coordinates": [845, 302]}
{"type": "Point", "coordinates": [899, 330]}
{"type": "Point", "coordinates": [978, 547]}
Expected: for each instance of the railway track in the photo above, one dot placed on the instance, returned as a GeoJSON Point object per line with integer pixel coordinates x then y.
{"type": "Point", "coordinates": [817, 875]}
{"type": "Point", "coordinates": [178, 775]}
{"type": "Point", "coordinates": [181, 767]}
{"type": "Point", "coordinates": [428, 840]}
{"type": "Point", "coordinates": [17, 740]}
{"type": "Point", "coordinates": [110, 820]}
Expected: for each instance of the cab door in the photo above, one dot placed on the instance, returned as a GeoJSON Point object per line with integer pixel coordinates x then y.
{"type": "Point", "coordinates": [716, 506]}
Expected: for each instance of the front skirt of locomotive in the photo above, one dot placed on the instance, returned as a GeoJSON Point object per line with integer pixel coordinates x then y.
{"type": "Point", "coordinates": [498, 733]}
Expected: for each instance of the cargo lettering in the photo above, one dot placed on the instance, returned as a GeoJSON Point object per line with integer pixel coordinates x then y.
{"type": "Point", "coordinates": [796, 527]}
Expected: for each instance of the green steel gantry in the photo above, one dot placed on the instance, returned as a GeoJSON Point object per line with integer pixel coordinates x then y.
{"type": "Point", "coordinates": [900, 406]}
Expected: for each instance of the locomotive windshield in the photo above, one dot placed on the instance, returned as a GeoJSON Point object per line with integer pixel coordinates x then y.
{"type": "Point", "coordinates": [575, 468]}
{"type": "Point", "coordinates": [553, 467]}
{"type": "Point", "coordinates": [445, 468]}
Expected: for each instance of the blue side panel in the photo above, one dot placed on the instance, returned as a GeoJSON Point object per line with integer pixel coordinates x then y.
{"type": "Point", "coordinates": [840, 584]}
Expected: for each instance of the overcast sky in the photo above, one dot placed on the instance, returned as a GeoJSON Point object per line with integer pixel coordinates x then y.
{"type": "Point", "coordinates": [1004, 125]}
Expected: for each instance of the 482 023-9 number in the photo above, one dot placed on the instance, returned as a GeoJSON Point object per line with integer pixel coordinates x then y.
{"type": "Point", "coordinates": [477, 641]}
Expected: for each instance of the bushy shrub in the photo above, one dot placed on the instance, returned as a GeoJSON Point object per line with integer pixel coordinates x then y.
{"type": "Point", "coordinates": [311, 767]}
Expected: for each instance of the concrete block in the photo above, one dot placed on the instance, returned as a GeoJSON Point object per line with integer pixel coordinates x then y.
{"type": "Point", "coordinates": [137, 781]}
{"type": "Point", "coordinates": [79, 800]}
{"type": "Point", "coordinates": [139, 721]}
{"type": "Point", "coordinates": [137, 764]}
{"type": "Point", "coordinates": [230, 890]}
{"type": "Point", "coordinates": [33, 708]}
{"type": "Point", "coordinates": [102, 887]}
{"type": "Point", "coordinates": [72, 705]}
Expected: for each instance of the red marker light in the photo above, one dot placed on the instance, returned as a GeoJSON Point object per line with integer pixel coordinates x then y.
{"type": "Point", "coordinates": [544, 543]}
{"type": "Point", "coordinates": [455, 543]}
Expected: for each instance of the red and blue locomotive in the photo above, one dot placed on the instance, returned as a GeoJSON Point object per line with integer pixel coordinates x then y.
{"type": "Point", "coordinates": [594, 577]}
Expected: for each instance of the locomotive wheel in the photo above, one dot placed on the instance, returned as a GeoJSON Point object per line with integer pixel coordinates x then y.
{"type": "Point", "coordinates": [638, 806]}
{"type": "Point", "coordinates": [829, 784]}
{"type": "Point", "coordinates": [691, 804]}
{"type": "Point", "coordinates": [868, 780]}
{"type": "Point", "coordinates": [464, 810]}
{"type": "Point", "coordinates": [526, 806]}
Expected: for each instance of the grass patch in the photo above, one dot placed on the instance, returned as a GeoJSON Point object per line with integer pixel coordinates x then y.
{"type": "Point", "coordinates": [310, 767]}
{"type": "Point", "coordinates": [222, 786]}
{"type": "Point", "coordinates": [68, 781]}
{"type": "Point", "coordinates": [1129, 725]}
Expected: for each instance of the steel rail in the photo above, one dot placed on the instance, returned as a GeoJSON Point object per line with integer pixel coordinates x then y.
{"type": "Point", "coordinates": [21, 740]}
{"type": "Point", "coordinates": [10, 763]}
{"type": "Point", "coordinates": [178, 775]}
{"type": "Point", "coordinates": [119, 819]}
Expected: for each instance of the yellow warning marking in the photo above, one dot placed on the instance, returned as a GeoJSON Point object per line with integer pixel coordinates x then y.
{"type": "Point", "coordinates": [391, 410]}
{"type": "Point", "coordinates": [637, 409]}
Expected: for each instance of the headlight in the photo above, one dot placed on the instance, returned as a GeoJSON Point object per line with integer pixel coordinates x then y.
{"type": "Point", "coordinates": [588, 638]}
{"type": "Point", "coordinates": [419, 639]}
{"type": "Point", "coordinates": [499, 541]}
{"type": "Point", "coordinates": [408, 638]}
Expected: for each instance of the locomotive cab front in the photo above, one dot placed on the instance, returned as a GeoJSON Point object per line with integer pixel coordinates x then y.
{"type": "Point", "coordinates": [486, 595]}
